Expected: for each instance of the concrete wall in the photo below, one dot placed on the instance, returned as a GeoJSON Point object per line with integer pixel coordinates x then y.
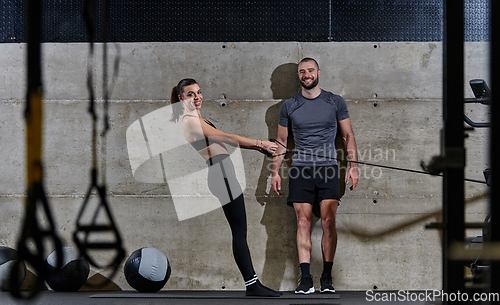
{"type": "Point", "coordinates": [393, 92]}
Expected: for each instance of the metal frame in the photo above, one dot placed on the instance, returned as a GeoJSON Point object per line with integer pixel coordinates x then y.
{"type": "Point", "coordinates": [453, 142]}
{"type": "Point", "coordinates": [453, 223]}
{"type": "Point", "coordinates": [494, 142]}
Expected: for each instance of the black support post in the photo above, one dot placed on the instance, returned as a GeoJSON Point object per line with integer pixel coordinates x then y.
{"type": "Point", "coordinates": [453, 142]}
{"type": "Point", "coordinates": [495, 142]}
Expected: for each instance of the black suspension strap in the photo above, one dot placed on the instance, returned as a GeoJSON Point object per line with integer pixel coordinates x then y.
{"type": "Point", "coordinates": [96, 230]}
{"type": "Point", "coordinates": [432, 173]}
{"type": "Point", "coordinates": [35, 234]}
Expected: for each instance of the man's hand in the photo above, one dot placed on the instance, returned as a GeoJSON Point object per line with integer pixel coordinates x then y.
{"type": "Point", "coordinates": [354, 175]}
{"type": "Point", "coordinates": [276, 183]}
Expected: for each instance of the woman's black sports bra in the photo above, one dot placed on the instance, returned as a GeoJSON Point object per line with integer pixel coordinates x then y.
{"type": "Point", "coordinates": [201, 143]}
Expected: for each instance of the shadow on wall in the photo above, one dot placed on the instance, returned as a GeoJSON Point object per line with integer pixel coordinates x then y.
{"type": "Point", "coordinates": [278, 218]}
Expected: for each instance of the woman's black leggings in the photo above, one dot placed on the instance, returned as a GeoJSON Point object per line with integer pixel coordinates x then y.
{"type": "Point", "coordinates": [223, 184]}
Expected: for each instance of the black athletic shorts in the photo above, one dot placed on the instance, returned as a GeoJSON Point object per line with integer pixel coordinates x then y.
{"type": "Point", "coordinates": [312, 184]}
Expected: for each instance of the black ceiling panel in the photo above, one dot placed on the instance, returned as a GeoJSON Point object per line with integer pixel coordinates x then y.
{"type": "Point", "coordinates": [253, 21]}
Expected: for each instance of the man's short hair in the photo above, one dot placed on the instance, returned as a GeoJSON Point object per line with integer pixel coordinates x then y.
{"type": "Point", "coordinates": [309, 59]}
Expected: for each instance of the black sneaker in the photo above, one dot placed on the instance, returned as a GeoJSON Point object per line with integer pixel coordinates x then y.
{"type": "Point", "coordinates": [326, 285]}
{"type": "Point", "coordinates": [306, 285]}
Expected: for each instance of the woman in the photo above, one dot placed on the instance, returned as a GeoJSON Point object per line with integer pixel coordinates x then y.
{"type": "Point", "coordinates": [210, 143]}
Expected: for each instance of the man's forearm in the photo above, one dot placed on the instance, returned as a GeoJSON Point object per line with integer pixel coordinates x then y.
{"type": "Point", "coordinates": [277, 161]}
{"type": "Point", "coordinates": [352, 151]}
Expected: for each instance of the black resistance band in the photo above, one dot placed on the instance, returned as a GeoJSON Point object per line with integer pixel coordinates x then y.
{"type": "Point", "coordinates": [289, 151]}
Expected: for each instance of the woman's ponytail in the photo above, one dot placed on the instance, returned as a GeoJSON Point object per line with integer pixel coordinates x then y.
{"type": "Point", "coordinates": [177, 108]}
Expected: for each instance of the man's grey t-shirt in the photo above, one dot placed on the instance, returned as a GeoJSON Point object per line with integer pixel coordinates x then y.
{"type": "Point", "coordinates": [314, 126]}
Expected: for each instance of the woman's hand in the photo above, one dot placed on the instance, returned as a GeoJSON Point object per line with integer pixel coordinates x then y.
{"type": "Point", "coordinates": [269, 146]}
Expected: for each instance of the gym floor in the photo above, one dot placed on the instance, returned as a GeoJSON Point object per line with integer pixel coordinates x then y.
{"type": "Point", "coordinates": [198, 297]}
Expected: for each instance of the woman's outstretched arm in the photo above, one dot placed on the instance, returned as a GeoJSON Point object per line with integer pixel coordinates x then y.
{"type": "Point", "coordinates": [198, 126]}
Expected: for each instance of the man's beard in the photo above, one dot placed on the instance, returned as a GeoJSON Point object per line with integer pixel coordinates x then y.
{"type": "Point", "coordinates": [312, 85]}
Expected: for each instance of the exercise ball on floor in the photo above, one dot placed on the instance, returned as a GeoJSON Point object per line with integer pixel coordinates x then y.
{"type": "Point", "coordinates": [73, 274]}
{"type": "Point", "coordinates": [8, 257]}
{"type": "Point", "coordinates": [147, 270]}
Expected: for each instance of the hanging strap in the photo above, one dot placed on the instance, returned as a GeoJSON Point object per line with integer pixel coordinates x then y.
{"type": "Point", "coordinates": [34, 235]}
{"type": "Point", "coordinates": [85, 231]}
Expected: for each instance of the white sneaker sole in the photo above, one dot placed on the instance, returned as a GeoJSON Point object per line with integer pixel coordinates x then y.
{"type": "Point", "coordinates": [311, 290]}
{"type": "Point", "coordinates": [327, 291]}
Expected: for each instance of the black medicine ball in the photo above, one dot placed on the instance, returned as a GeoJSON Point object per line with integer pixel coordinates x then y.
{"type": "Point", "coordinates": [147, 270]}
{"type": "Point", "coordinates": [8, 257]}
{"type": "Point", "coordinates": [73, 274]}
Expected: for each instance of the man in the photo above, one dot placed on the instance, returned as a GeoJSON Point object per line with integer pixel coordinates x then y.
{"type": "Point", "coordinates": [314, 116]}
